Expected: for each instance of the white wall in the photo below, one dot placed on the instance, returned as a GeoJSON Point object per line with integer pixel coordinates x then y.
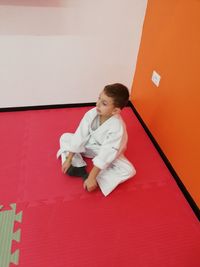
{"type": "Point", "coordinates": [56, 52]}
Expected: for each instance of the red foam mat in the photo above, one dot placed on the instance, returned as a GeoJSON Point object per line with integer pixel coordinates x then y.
{"type": "Point", "coordinates": [145, 222]}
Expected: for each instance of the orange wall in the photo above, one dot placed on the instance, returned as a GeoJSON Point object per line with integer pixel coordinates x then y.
{"type": "Point", "coordinates": [170, 45]}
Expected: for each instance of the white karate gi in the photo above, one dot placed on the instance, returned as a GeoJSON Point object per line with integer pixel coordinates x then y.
{"type": "Point", "coordinates": [105, 144]}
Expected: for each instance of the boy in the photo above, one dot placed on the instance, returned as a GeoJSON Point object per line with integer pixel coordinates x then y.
{"type": "Point", "coordinates": [101, 135]}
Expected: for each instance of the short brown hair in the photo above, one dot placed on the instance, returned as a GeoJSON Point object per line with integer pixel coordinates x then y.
{"type": "Point", "coordinates": [119, 93]}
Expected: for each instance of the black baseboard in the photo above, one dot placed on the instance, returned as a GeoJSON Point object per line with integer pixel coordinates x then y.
{"type": "Point", "coordinates": [180, 184]}
{"type": "Point", "coordinates": [53, 106]}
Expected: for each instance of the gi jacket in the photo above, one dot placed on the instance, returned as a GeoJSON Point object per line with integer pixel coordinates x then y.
{"type": "Point", "coordinates": [104, 143]}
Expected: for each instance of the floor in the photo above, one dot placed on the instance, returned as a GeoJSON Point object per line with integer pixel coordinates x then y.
{"type": "Point", "coordinates": [48, 219]}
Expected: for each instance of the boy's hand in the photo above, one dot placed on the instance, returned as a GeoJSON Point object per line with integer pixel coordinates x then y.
{"type": "Point", "coordinates": [90, 184]}
{"type": "Point", "coordinates": [66, 165]}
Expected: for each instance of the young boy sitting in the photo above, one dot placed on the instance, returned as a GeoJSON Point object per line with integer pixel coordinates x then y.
{"type": "Point", "coordinates": [101, 135]}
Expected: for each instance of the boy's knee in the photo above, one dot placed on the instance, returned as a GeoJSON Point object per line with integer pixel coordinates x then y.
{"type": "Point", "coordinates": [65, 137]}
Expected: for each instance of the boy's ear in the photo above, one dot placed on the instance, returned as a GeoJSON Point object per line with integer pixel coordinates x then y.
{"type": "Point", "coordinates": [116, 111]}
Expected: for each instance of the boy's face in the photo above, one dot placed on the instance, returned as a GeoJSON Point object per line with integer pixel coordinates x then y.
{"type": "Point", "coordinates": [105, 106]}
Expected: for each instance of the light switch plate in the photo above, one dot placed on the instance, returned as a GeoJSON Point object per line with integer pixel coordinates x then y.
{"type": "Point", "coordinates": [155, 78]}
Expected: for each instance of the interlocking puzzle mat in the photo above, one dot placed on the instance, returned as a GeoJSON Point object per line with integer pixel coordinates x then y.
{"type": "Point", "coordinates": [7, 220]}
{"type": "Point", "coordinates": [47, 219]}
